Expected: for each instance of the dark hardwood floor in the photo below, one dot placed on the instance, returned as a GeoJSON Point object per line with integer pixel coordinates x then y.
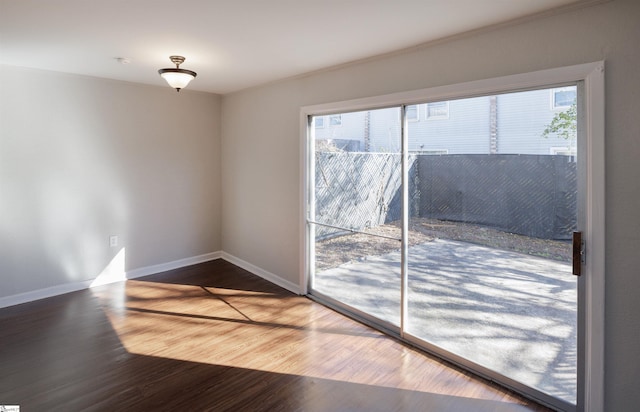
{"type": "Point", "coordinates": [213, 337]}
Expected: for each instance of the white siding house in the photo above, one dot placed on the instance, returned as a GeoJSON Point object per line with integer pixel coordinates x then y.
{"type": "Point", "coordinates": [510, 123]}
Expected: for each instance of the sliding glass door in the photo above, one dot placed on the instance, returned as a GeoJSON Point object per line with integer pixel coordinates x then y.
{"type": "Point", "coordinates": [448, 223]}
{"type": "Point", "coordinates": [489, 271]}
{"type": "Point", "coordinates": [355, 210]}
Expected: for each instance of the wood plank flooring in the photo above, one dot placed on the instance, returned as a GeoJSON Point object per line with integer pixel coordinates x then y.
{"type": "Point", "coordinates": [213, 337]}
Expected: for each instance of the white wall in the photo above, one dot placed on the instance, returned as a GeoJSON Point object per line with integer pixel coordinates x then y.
{"type": "Point", "coordinates": [82, 159]}
{"type": "Point", "coordinates": [261, 165]}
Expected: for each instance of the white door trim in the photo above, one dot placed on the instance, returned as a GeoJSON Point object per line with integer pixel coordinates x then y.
{"type": "Point", "coordinates": [592, 74]}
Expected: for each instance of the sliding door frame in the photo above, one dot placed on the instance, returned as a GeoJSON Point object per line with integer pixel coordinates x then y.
{"type": "Point", "coordinates": [591, 284]}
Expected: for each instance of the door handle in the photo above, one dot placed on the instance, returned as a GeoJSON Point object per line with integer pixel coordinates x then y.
{"type": "Point", "coordinates": [578, 251]}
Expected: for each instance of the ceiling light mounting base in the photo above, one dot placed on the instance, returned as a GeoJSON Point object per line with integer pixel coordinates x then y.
{"type": "Point", "coordinates": [177, 60]}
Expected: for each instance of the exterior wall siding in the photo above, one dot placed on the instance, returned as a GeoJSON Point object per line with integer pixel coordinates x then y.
{"type": "Point", "coordinates": [465, 131]}
{"type": "Point", "coordinates": [522, 117]}
{"type": "Point", "coordinates": [514, 126]}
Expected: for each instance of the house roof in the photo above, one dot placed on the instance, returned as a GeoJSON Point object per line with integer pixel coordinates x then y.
{"type": "Point", "coordinates": [236, 44]}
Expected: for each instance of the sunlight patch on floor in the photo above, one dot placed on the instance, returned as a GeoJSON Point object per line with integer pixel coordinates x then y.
{"type": "Point", "coordinates": [265, 332]}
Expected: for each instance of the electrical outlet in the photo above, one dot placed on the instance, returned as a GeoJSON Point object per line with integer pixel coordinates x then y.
{"type": "Point", "coordinates": [113, 241]}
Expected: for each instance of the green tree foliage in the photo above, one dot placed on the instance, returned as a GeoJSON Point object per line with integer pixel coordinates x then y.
{"type": "Point", "coordinates": [564, 124]}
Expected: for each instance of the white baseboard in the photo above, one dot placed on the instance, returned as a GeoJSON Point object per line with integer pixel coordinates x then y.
{"type": "Point", "coordinates": [85, 284]}
{"type": "Point", "coordinates": [176, 264]}
{"type": "Point", "coordinates": [146, 271]}
{"type": "Point", "coordinates": [275, 279]}
{"type": "Point", "coordinates": [43, 293]}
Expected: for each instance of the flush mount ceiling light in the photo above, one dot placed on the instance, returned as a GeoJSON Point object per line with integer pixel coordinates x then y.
{"type": "Point", "coordinates": [177, 78]}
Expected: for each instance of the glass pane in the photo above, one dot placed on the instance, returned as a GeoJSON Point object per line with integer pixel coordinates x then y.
{"type": "Point", "coordinates": [490, 226]}
{"type": "Point", "coordinates": [357, 204]}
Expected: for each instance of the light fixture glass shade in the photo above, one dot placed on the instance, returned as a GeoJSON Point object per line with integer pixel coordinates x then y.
{"type": "Point", "coordinates": [177, 78]}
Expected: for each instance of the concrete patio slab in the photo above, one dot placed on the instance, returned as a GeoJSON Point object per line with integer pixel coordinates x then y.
{"type": "Point", "coordinates": [513, 313]}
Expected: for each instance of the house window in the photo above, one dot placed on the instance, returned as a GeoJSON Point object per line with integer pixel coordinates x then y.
{"type": "Point", "coordinates": [335, 120]}
{"type": "Point", "coordinates": [563, 151]}
{"type": "Point", "coordinates": [563, 97]}
{"type": "Point", "coordinates": [437, 110]}
{"type": "Point", "coordinates": [412, 113]}
{"type": "Point", "coordinates": [431, 151]}
{"type": "Point", "coordinates": [319, 122]}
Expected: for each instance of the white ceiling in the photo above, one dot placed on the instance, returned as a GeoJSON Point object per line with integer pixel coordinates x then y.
{"type": "Point", "coordinates": [233, 44]}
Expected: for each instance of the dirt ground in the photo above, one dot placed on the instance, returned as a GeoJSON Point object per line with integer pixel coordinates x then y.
{"type": "Point", "coordinates": [353, 247]}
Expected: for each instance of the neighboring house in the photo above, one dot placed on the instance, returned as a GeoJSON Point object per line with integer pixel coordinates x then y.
{"type": "Point", "coordinates": [510, 123]}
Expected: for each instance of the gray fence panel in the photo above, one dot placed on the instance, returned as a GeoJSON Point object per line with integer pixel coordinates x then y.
{"type": "Point", "coordinates": [358, 190]}
{"type": "Point", "coordinates": [531, 195]}
{"type": "Point", "coordinates": [351, 189]}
